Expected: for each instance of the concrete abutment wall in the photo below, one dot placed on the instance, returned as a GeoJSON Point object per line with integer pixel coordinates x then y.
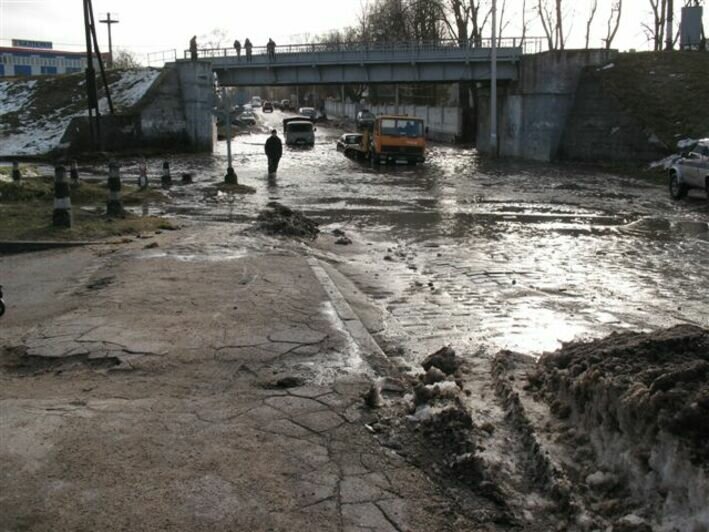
{"type": "Point", "coordinates": [533, 112]}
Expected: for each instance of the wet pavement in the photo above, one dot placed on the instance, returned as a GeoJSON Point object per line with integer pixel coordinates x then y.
{"type": "Point", "coordinates": [475, 253]}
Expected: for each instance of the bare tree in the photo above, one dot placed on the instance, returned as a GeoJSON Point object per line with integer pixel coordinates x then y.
{"type": "Point", "coordinates": [552, 19]}
{"type": "Point", "coordinates": [213, 39]}
{"type": "Point", "coordinates": [613, 23]}
{"type": "Point", "coordinates": [656, 32]}
{"type": "Point", "coordinates": [125, 59]}
{"type": "Point", "coordinates": [589, 21]}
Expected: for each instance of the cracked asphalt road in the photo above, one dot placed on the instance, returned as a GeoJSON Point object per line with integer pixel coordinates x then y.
{"type": "Point", "coordinates": [190, 429]}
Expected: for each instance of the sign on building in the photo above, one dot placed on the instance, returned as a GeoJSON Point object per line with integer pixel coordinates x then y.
{"type": "Point", "coordinates": [22, 43]}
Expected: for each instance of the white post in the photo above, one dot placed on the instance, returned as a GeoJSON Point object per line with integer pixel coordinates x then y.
{"type": "Point", "coordinates": [493, 83]}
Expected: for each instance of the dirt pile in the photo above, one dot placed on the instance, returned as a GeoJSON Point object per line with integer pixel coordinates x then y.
{"type": "Point", "coordinates": [643, 401]}
{"type": "Point", "coordinates": [278, 219]}
{"type": "Point", "coordinates": [425, 421]}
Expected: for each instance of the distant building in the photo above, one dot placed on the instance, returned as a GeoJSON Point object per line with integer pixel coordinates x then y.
{"type": "Point", "coordinates": [38, 58]}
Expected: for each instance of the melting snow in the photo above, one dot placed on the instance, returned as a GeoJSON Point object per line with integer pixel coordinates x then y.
{"type": "Point", "coordinates": [44, 135]}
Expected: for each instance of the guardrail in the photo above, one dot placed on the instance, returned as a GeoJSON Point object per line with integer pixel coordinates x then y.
{"type": "Point", "coordinates": [162, 57]}
{"type": "Point", "coordinates": [529, 45]}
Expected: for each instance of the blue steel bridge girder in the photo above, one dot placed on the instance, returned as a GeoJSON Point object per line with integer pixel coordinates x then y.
{"type": "Point", "coordinates": [378, 66]}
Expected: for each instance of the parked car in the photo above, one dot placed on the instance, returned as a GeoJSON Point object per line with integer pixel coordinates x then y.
{"type": "Point", "coordinates": [285, 105]}
{"type": "Point", "coordinates": [691, 170]}
{"type": "Point", "coordinates": [365, 119]}
{"type": "Point", "coordinates": [348, 139]}
{"type": "Point", "coordinates": [247, 118]}
{"type": "Point", "coordinates": [299, 130]}
{"type": "Point", "coordinates": [267, 107]}
{"type": "Point", "coordinates": [308, 112]}
{"type": "Point", "coordinates": [256, 101]}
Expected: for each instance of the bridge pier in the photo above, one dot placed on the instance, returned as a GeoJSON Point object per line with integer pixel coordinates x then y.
{"type": "Point", "coordinates": [197, 88]}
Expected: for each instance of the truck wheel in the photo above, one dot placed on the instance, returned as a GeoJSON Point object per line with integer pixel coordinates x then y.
{"type": "Point", "coordinates": [677, 190]}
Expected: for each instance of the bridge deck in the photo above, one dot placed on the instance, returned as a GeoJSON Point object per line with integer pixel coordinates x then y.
{"type": "Point", "coordinates": [329, 63]}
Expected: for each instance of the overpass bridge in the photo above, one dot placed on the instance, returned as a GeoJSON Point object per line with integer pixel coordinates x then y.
{"type": "Point", "coordinates": [445, 61]}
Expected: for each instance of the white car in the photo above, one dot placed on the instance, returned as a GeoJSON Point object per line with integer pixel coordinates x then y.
{"type": "Point", "coordinates": [691, 170]}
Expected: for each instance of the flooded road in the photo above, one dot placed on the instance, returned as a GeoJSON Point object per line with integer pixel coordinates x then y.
{"type": "Point", "coordinates": [480, 254]}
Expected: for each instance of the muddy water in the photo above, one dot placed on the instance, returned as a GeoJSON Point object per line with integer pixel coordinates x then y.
{"type": "Point", "coordinates": [497, 255]}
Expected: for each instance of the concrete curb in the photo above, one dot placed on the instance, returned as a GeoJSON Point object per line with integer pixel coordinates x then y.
{"type": "Point", "coordinates": [26, 246]}
{"type": "Point", "coordinates": [349, 318]}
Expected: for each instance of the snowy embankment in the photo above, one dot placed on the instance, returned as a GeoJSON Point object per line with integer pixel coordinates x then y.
{"type": "Point", "coordinates": [34, 114]}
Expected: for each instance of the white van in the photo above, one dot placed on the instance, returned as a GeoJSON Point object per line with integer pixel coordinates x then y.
{"type": "Point", "coordinates": [298, 130]}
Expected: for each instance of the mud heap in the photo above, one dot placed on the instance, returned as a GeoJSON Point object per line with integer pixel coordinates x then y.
{"type": "Point", "coordinates": [278, 219]}
{"type": "Point", "coordinates": [643, 400]}
{"type": "Point", "coordinates": [424, 419]}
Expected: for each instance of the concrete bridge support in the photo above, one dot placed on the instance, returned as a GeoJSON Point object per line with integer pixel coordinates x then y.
{"type": "Point", "coordinates": [533, 111]}
{"type": "Point", "coordinates": [197, 88]}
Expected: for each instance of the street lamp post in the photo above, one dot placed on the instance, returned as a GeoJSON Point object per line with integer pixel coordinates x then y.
{"type": "Point", "coordinates": [493, 83]}
{"type": "Point", "coordinates": [230, 178]}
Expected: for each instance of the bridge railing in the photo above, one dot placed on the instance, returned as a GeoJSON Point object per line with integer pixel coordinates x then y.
{"type": "Point", "coordinates": [528, 45]}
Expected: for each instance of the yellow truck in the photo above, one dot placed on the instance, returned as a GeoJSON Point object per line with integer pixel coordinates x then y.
{"type": "Point", "coordinates": [392, 139]}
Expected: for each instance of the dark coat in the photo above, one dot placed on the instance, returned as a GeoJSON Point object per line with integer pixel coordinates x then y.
{"type": "Point", "coordinates": [274, 147]}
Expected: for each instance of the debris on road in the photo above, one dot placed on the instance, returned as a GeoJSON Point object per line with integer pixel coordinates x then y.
{"type": "Point", "coordinates": [278, 219]}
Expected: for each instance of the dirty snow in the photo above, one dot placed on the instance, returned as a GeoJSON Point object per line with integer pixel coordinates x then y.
{"type": "Point", "coordinates": [43, 136]}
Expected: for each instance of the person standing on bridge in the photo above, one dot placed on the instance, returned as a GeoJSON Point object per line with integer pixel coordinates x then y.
{"type": "Point", "coordinates": [248, 46]}
{"type": "Point", "coordinates": [193, 48]}
{"type": "Point", "coordinates": [271, 49]}
{"type": "Point", "coordinates": [274, 150]}
{"type": "Point", "coordinates": [237, 47]}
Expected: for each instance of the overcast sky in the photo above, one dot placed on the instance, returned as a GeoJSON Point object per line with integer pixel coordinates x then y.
{"type": "Point", "coordinates": [155, 25]}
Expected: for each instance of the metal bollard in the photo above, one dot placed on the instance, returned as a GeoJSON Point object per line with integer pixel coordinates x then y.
{"type": "Point", "coordinates": [16, 174]}
{"type": "Point", "coordinates": [114, 206]}
{"type": "Point", "coordinates": [166, 178]}
{"type": "Point", "coordinates": [61, 217]}
{"type": "Point", "coordinates": [142, 174]}
{"type": "Point", "coordinates": [74, 173]}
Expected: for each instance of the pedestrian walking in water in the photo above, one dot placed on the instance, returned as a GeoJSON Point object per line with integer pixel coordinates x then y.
{"type": "Point", "coordinates": [193, 48]}
{"type": "Point", "coordinates": [237, 47]}
{"type": "Point", "coordinates": [248, 46]}
{"type": "Point", "coordinates": [274, 150]}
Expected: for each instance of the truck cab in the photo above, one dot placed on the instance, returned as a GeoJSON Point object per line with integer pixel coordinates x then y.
{"type": "Point", "coordinates": [398, 139]}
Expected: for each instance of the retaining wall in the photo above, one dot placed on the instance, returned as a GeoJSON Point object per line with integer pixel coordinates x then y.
{"type": "Point", "coordinates": [533, 112]}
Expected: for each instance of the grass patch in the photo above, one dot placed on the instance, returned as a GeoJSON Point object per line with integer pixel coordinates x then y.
{"type": "Point", "coordinates": [86, 193]}
{"type": "Point", "coordinates": [27, 170]}
{"type": "Point", "coordinates": [33, 221]}
{"type": "Point", "coordinates": [666, 91]}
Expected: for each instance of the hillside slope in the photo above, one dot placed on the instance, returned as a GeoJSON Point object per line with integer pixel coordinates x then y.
{"type": "Point", "coordinates": [34, 113]}
{"type": "Point", "coordinates": [666, 92]}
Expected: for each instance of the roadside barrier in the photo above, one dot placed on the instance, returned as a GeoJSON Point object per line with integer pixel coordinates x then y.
{"type": "Point", "coordinates": [61, 217]}
{"type": "Point", "coordinates": [16, 174]}
{"type": "Point", "coordinates": [142, 174]}
{"type": "Point", "coordinates": [166, 178]}
{"type": "Point", "coordinates": [114, 206]}
{"type": "Point", "coordinates": [74, 172]}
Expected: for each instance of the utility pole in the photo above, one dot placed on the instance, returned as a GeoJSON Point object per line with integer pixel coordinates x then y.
{"type": "Point", "coordinates": [493, 83]}
{"type": "Point", "coordinates": [109, 21]}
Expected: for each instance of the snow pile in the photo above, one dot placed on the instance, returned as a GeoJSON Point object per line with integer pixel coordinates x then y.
{"type": "Point", "coordinates": [35, 114]}
{"type": "Point", "coordinates": [643, 401]}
